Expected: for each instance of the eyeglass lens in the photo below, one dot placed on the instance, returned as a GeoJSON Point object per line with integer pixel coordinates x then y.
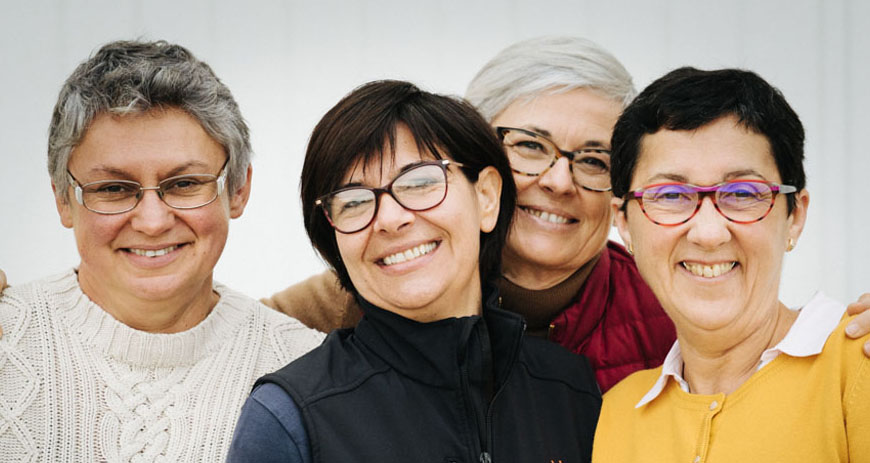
{"type": "Point", "coordinates": [532, 154]}
{"type": "Point", "coordinates": [419, 188]}
{"type": "Point", "coordinates": [670, 204]}
{"type": "Point", "coordinates": [182, 192]}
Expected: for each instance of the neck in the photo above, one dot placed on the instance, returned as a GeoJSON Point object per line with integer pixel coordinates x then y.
{"type": "Point", "coordinates": [722, 362]}
{"type": "Point", "coordinates": [168, 315]}
{"type": "Point", "coordinates": [531, 276]}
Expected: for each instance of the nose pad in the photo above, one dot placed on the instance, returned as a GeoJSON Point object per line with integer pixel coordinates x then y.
{"type": "Point", "coordinates": [558, 178]}
{"type": "Point", "coordinates": [152, 216]}
{"type": "Point", "coordinates": [391, 216]}
{"type": "Point", "coordinates": [709, 228]}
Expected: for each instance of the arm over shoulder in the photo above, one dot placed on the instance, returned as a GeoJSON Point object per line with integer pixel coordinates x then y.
{"type": "Point", "coordinates": [319, 302]}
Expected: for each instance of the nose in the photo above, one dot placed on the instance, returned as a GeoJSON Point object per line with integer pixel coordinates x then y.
{"type": "Point", "coordinates": [558, 179]}
{"type": "Point", "coordinates": [152, 216]}
{"type": "Point", "coordinates": [391, 216]}
{"type": "Point", "coordinates": [708, 228]}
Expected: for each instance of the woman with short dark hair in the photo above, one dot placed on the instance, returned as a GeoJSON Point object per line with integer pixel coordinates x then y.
{"type": "Point", "coordinates": [409, 197]}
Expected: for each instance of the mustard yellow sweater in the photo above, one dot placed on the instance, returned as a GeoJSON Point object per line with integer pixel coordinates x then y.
{"type": "Point", "coordinates": [796, 409]}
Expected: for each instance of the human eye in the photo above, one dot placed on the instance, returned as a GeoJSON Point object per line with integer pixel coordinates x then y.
{"type": "Point", "coordinates": [349, 203]}
{"type": "Point", "coordinates": [528, 146]}
{"type": "Point", "coordinates": [672, 195]}
{"type": "Point", "coordinates": [743, 194]}
{"type": "Point", "coordinates": [184, 184]}
{"type": "Point", "coordinates": [419, 179]}
{"type": "Point", "coordinates": [111, 189]}
{"type": "Point", "coordinates": [593, 162]}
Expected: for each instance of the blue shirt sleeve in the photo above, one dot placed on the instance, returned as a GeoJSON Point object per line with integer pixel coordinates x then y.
{"type": "Point", "coordinates": [270, 429]}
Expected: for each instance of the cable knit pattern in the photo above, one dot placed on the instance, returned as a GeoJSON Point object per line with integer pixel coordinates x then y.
{"type": "Point", "coordinates": [77, 385]}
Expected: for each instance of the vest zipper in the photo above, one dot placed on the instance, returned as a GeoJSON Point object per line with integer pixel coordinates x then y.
{"type": "Point", "coordinates": [480, 409]}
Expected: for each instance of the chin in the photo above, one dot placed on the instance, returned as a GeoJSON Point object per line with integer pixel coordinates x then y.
{"type": "Point", "coordinates": [159, 287]}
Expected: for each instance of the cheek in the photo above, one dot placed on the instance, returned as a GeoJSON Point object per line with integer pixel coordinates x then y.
{"type": "Point", "coordinates": [93, 231]}
{"type": "Point", "coordinates": [596, 208]}
{"type": "Point", "coordinates": [524, 182]}
{"type": "Point", "coordinates": [350, 249]}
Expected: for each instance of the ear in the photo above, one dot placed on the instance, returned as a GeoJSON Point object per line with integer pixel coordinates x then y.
{"type": "Point", "coordinates": [239, 198]}
{"type": "Point", "coordinates": [64, 208]}
{"type": "Point", "coordinates": [488, 189]}
{"type": "Point", "coordinates": [620, 220]}
{"type": "Point", "coordinates": [798, 216]}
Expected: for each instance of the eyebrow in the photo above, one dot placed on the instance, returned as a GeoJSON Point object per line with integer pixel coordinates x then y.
{"type": "Point", "coordinates": [586, 144]}
{"type": "Point", "coordinates": [682, 179]}
{"type": "Point", "coordinates": [114, 172]}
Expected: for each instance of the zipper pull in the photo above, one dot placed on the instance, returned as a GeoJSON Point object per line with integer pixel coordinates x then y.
{"type": "Point", "coordinates": [485, 458]}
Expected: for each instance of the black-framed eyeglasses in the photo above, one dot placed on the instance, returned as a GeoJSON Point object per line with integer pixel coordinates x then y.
{"type": "Point", "coordinates": [188, 191]}
{"type": "Point", "coordinates": [418, 187]}
{"type": "Point", "coordinates": [533, 154]}
{"type": "Point", "coordinates": [740, 201]}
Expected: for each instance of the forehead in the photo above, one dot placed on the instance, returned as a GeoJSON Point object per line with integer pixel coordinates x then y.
{"type": "Point", "coordinates": [381, 167]}
{"type": "Point", "coordinates": [155, 141]}
{"type": "Point", "coordinates": [721, 150]}
{"type": "Point", "coordinates": [568, 117]}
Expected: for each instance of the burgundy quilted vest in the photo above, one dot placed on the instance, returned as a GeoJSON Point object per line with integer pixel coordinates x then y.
{"type": "Point", "coordinates": [615, 320]}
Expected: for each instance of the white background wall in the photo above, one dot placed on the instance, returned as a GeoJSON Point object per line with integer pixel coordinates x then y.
{"type": "Point", "coordinates": [287, 62]}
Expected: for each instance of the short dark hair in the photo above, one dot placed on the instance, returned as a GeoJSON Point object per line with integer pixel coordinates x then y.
{"type": "Point", "coordinates": [688, 98]}
{"type": "Point", "coordinates": [358, 128]}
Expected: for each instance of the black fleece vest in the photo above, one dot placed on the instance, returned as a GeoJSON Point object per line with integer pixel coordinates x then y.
{"type": "Point", "coordinates": [467, 390]}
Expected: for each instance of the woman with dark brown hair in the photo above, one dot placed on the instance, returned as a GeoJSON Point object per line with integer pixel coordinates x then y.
{"type": "Point", "coordinates": [409, 197]}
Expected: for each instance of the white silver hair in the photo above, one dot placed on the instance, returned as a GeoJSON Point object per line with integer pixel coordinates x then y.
{"type": "Point", "coordinates": [546, 65]}
{"type": "Point", "coordinates": [132, 77]}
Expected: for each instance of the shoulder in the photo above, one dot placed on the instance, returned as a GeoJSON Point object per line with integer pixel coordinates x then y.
{"type": "Point", "coordinates": [632, 388]}
{"type": "Point", "coordinates": [336, 366]}
{"type": "Point", "coordinates": [270, 428]}
{"type": "Point", "coordinates": [19, 304]}
{"type": "Point", "coordinates": [549, 361]}
{"type": "Point", "coordinates": [285, 333]}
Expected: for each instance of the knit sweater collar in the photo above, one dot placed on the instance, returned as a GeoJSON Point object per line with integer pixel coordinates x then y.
{"type": "Point", "coordinates": [539, 307]}
{"type": "Point", "coordinates": [106, 335]}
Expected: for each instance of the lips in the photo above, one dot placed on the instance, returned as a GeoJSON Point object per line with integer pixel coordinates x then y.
{"type": "Point", "coordinates": [708, 270]}
{"type": "Point", "coordinates": [550, 217]}
{"type": "Point", "coordinates": [409, 254]}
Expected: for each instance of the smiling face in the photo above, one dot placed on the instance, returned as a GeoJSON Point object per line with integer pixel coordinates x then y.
{"type": "Point", "coordinates": [709, 273]}
{"type": "Point", "coordinates": [153, 252]}
{"type": "Point", "coordinates": [559, 226]}
{"type": "Point", "coordinates": [421, 265]}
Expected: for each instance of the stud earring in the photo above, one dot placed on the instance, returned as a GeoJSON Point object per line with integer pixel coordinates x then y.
{"type": "Point", "coordinates": [790, 245]}
{"type": "Point", "coordinates": [630, 249]}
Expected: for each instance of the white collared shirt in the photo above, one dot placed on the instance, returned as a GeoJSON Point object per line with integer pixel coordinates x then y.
{"type": "Point", "coordinates": [806, 337]}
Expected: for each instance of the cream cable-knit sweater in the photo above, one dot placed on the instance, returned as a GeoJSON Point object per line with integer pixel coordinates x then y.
{"type": "Point", "coordinates": [76, 385]}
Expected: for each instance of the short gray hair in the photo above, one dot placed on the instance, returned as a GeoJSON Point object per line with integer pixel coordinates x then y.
{"type": "Point", "coordinates": [132, 77]}
{"type": "Point", "coordinates": [541, 65]}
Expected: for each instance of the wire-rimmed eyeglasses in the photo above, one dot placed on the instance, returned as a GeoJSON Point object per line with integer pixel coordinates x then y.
{"type": "Point", "coordinates": [188, 191]}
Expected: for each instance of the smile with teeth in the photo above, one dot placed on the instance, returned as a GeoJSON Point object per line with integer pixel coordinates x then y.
{"type": "Point", "coordinates": [547, 216]}
{"type": "Point", "coordinates": [410, 254]}
{"type": "Point", "coordinates": [153, 252]}
{"type": "Point", "coordinates": [709, 271]}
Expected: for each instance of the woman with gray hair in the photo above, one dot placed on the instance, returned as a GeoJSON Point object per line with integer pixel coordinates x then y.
{"type": "Point", "coordinates": [137, 354]}
{"type": "Point", "coordinates": [553, 102]}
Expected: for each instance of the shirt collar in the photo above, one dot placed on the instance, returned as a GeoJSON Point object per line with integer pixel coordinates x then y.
{"type": "Point", "coordinates": [806, 337]}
